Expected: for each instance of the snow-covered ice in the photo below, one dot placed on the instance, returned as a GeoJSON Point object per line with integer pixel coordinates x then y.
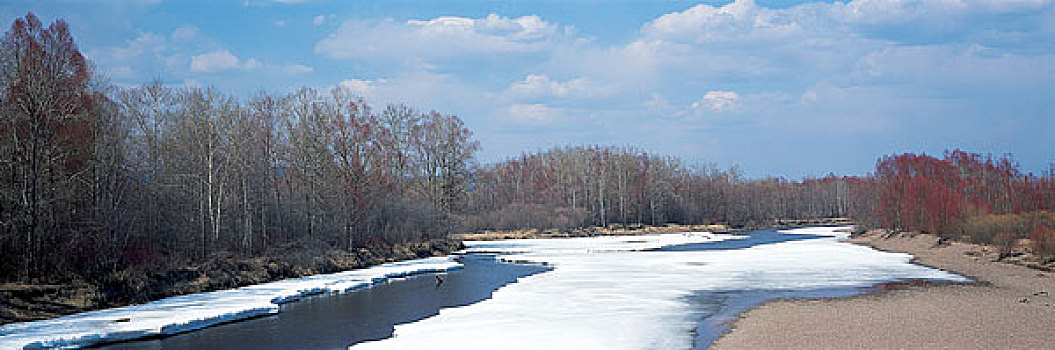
{"type": "Point", "coordinates": [606, 293]}
{"type": "Point", "coordinates": [189, 312]}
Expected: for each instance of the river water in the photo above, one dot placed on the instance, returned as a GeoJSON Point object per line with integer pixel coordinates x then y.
{"type": "Point", "coordinates": [336, 322]}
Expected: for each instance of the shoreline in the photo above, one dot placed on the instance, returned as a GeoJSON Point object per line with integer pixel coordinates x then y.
{"type": "Point", "coordinates": [1005, 306]}
{"type": "Point", "coordinates": [35, 302]}
{"type": "Point", "coordinates": [190, 313]}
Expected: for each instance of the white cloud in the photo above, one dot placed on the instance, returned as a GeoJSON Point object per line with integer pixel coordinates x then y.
{"type": "Point", "coordinates": [718, 101]}
{"type": "Point", "coordinates": [220, 60]}
{"type": "Point", "coordinates": [538, 85]}
{"type": "Point", "coordinates": [439, 37]}
{"type": "Point", "coordinates": [145, 43]}
{"type": "Point", "coordinates": [364, 88]}
{"type": "Point", "coordinates": [739, 20]}
{"type": "Point", "coordinates": [214, 61]}
{"type": "Point", "coordinates": [279, 23]}
{"type": "Point", "coordinates": [149, 54]}
{"type": "Point", "coordinates": [532, 114]}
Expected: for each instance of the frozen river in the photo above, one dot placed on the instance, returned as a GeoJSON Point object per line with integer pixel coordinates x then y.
{"type": "Point", "coordinates": [633, 292]}
{"type": "Point", "coordinates": [617, 293]}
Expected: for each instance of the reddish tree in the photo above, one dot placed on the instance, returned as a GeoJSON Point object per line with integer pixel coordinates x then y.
{"type": "Point", "coordinates": [48, 128]}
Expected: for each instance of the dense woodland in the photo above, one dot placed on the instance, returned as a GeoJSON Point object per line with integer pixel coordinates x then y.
{"type": "Point", "coordinates": [99, 179]}
{"type": "Point", "coordinates": [583, 186]}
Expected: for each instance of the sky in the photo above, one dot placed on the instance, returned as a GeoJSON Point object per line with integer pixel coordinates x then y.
{"type": "Point", "coordinates": [776, 88]}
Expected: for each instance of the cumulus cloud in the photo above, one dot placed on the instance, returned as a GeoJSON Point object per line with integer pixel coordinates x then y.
{"type": "Point", "coordinates": [540, 85]}
{"type": "Point", "coordinates": [364, 88]}
{"type": "Point", "coordinates": [734, 21]}
{"type": "Point", "coordinates": [858, 65]}
{"type": "Point", "coordinates": [220, 60]}
{"type": "Point", "coordinates": [532, 114]}
{"type": "Point", "coordinates": [439, 37]}
{"type": "Point", "coordinates": [718, 101]}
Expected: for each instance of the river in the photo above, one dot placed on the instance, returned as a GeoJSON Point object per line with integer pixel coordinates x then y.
{"type": "Point", "coordinates": [612, 292]}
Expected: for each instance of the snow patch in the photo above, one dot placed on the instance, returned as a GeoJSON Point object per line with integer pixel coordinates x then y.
{"type": "Point", "coordinates": [195, 311]}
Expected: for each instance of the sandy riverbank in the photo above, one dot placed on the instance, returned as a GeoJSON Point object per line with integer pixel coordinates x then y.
{"type": "Point", "coordinates": [1009, 307]}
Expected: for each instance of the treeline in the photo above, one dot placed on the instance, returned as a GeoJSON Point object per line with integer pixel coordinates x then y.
{"type": "Point", "coordinates": [583, 186]}
{"type": "Point", "coordinates": [98, 178]}
{"type": "Point", "coordinates": [985, 198]}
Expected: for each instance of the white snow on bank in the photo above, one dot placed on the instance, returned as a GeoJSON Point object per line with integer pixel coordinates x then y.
{"type": "Point", "coordinates": [606, 294]}
{"type": "Point", "coordinates": [183, 313]}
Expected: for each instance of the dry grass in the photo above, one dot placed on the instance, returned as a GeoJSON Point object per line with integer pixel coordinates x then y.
{"type": "Point", "coordinates": [611, 230]}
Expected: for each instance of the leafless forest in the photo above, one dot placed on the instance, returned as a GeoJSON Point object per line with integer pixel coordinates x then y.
{"type": "Point", "coordinates": [101, 179]}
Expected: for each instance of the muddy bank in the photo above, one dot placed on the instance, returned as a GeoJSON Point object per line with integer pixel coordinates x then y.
{"type": "Point", "coordinates": [1008, 307]}
{"type": "Point", "coordinates": [22, 302]}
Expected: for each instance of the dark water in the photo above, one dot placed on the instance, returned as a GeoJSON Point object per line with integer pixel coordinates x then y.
{"type": "Point", "coordinates": [335, 322]}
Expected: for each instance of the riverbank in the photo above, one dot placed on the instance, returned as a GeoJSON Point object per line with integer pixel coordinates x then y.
{"type": "Point", "coordinates": [29, 302]}
{"type": "Point", "coordinates": [1008, 306]}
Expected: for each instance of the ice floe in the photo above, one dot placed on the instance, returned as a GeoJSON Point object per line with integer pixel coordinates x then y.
{"type": "Point", "coordinates": [189, 312]}
{"type": "Point", "coordinates": [611, 293]}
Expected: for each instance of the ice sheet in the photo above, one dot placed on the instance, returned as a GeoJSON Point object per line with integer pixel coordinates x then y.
{"type": "Point", "coordinates": [605, 293]}
{"type": "Point", "coordinates": [183, 313]}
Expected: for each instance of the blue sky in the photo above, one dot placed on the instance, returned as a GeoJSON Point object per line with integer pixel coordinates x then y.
{"type": "Point", "coordinates": [792, 88]}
